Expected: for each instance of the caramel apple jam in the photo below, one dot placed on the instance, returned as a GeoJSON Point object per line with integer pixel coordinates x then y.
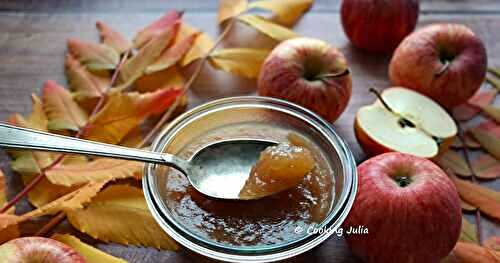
{"type": "Point", "coordinates": [270, 220]}
{"type": "Point", "coordinates": [279, 168]}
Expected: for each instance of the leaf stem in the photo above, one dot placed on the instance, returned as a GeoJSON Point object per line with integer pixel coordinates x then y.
{"type": "Point", "coordinates": [188, 84]}
{"type": "Point", "coordinates": [465, 150]}
{"type": "Point", "coordinates": [51, 224]}
{"type": "Point", "coordinates": [79, 134]}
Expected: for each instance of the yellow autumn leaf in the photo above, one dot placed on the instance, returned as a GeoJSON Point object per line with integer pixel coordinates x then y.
{"type": "Point", "coordinates": [29, 163]}
{"type": "Point", "coordinates": [245, 62]}
{"type": "Point", "coordinates": [112, 38]}
{"type": "Point", "coordinates": [71, 201]}
{"type": "Point", "coordinates": [90, 253]}
{"type": "Point", "coordinates": [102, 169]}
{"type": "Point", "coordinates": [230, 8]}
{"type": "Point", "coordinates": [125, 111]}
{"type": "Point", "coordinates": [200, 47]}
{"type": "Point", "coordinates": [99, 219]}
{"type": "Point", "coordinates": [287, 11]}
{"type": "Point", "coordinates": [95, 57]}
{"type": "Point", "coordinates": [11, 232]}
{"type": "Point", "coordinates": [84, 84]}
{"type": "Point", "coordinates": [62, 111]}
{"type": "Point", "coordinates": [272, 30]}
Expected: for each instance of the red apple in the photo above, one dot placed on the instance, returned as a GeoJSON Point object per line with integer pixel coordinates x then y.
{"type": "Point", "coordinates": [446, 62]}
{"type": "Point", "coordinates": [38, 249]}
{"type": "Point", "coordinates": [406, 121]}
{"type": "Point", "coordinates": [308, 72]}
{"type": "Point", "coordinates": [409, 207]}
{"type": "Point", "coordinates": [378, 25]}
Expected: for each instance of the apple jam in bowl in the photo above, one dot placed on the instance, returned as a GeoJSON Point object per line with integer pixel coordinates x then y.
{"type": "Point", "coordinates": [273, 227]}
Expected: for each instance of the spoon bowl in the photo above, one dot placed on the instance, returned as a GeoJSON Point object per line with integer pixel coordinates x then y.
{"type": "Point", "coordinates": [218, 170]}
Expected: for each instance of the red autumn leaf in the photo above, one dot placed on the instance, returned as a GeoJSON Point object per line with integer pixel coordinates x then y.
{"type": "Point", "coordinates": [94, 56]}
{"type": "Point", "coordinates": [473, 106]}
{"type": "Point", "coordinates": [61, 109]}
{"type": "Point", "coordinates": [156, 28]}
{"type": "Point", "coordinates": [112, 38]}
{"type": "Point", "coordinates": [173, 54]}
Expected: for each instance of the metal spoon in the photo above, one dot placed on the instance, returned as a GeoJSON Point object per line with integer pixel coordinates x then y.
{"type": "Point", "coordinates": [218, 170]}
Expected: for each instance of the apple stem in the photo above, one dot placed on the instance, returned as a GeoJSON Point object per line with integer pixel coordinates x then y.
{"type": "Point", "coordinates": [403, 181]}
{"type": "Point", "coordinates": [443, 69]}
{"type": "Point", "coordinates": [333, 75]}
{"type": "Point", "coordinates": [379, 97]}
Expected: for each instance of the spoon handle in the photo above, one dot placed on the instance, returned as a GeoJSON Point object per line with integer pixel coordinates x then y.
{"type": "Point", "coordinates": [27, 139]}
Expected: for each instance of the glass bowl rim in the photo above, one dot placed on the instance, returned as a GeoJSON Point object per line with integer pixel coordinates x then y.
{"type": "Point", "coordinates": [212, 249]}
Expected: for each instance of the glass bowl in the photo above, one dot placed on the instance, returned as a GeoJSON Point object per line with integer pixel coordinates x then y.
{"type": "Point", "coordinates": [250, 117]}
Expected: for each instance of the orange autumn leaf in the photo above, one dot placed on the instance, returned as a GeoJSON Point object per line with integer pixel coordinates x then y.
{"type": "Point", "coordinates": [486, 167]}
{"type": "Point", "coordinates": [471, 253]}
{"type": "Point", "coordinates": [157, 28]}
{"type": "Point", "coordinates": [200, 47]}
{"type": "Point", "coordinates": [62, 111]}
{"type": "Point", "coordinates": [287, 11]}
{"type": "Point", "coordinates": [487, 200]}
{"type": "Point", "coordinates": [164, 79]}
{"type": "Point", "coordinates": [150, 52]}
{"type": "Point", "coordinates": [488, 141]}
{"type": "Point", "coordinates": [98, 219]}
{"type": "Point", "coordinates": [112, 38]}
{"type": "Point", "coordinates": [125, 111]}
{"type": "Point", "coordinates": [12, 231]}
{"type": "Point", "coordinates": [102, 169]}
{"type": "Point", "coordinates": [230, 8]}
{"type": "Point", "coordinates": [272, 30]}
{"type": "Point", "coordinates": [83, 83]}
{"type": "Point", "coordinates": [471, 108]}
{"type": "Point", "coordinates": [493, 243]}
{"type": "Point", "coordinates": [466, 206]}
{"type": "Point", "coordinates": [173, 54]}
{"type": "Point", "coordinates": [94, 56]}
{"type": "Point", "coordinates": [90, 253]}
{"type": "Point", "coordinates": [245, 62]}
{"type": "Point", "coordinates": [455, 162]}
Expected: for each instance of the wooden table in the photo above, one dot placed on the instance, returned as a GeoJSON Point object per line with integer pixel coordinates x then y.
{"type": "Point", "coordinates": [33, 42]}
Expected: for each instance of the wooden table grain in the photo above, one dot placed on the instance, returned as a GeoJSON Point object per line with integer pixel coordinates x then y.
{"type": "Point", "coordinates": [33, 38]}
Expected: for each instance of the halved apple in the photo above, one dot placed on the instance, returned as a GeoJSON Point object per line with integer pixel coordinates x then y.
{"type": "Point", "coordinates": [405, 121]}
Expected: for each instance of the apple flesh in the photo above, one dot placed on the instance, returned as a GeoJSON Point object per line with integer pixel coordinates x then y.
{"type": "Point", "coordinates": [412, 124]}
{"type": "Point", "coordinates": [38, 249]}
{"type": "Point", "coordinates": [446, 62]}
{"type": "Point", "coordinates": [378, 26]}
{"type": "Point", "coordinates": [410, 208]}
{"type": "Point", "coordinates": [310, 73]}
